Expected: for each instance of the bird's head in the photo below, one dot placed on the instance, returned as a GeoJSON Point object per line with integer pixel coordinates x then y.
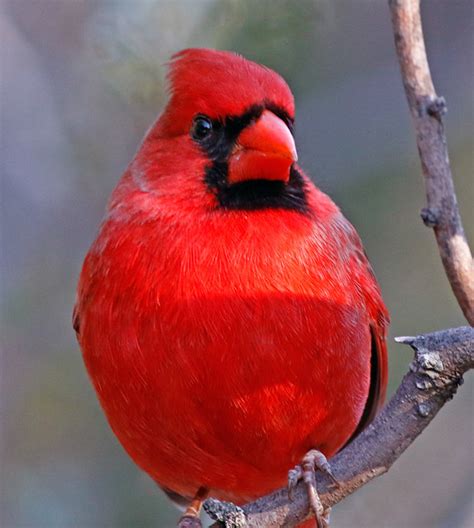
{"type": "Point", "coordinates": [233, 119]}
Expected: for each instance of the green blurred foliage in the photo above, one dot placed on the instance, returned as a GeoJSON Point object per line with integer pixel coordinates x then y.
{"type": "Point", "coordinates": [290, 29]}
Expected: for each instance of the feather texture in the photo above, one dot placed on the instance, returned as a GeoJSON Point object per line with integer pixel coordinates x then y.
{"type": "Point", "coordinates": [224, 343]}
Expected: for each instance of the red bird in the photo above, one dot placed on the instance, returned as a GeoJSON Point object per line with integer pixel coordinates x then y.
{"type": "Point", "coordinates": [227, 313]}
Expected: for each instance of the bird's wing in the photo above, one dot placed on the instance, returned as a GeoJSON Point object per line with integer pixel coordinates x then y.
{"type": "Point", "coordinates": [378, 321]}
{"type": "Point", "coordinates": [378, 381]}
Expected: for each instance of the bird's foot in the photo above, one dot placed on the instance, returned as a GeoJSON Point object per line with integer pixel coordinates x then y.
{"type": "Point", "coordinates": [313, 460]}
{"type": "Point", "coordinates": [190, 518]}
{"type": "Point", "coordinates": [189, 521]}
{"type": "Point", "coordinates": [225, 512]}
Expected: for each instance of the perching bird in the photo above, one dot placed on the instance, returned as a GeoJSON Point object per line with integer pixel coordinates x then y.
{"type": "Point", "coordinates": [227, 313]}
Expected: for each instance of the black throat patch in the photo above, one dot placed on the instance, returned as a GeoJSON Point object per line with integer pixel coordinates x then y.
{"type": "Point", "coordinates": [252, 194]}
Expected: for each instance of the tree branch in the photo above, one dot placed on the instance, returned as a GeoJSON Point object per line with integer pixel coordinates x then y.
{"type": "Point", "coordinates": [441, 359]}
{"type": "Point", "coordinates": [427, 110]}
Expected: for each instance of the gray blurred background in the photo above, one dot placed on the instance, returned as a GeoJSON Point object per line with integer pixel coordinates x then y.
{"type": "Point", "coordinates": [81, 80]}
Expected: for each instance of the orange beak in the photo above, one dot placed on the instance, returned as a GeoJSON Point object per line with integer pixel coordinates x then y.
{"type": "Point", "coordinates": [265, 150]}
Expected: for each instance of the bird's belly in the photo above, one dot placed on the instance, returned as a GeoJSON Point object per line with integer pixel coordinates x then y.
{"type": "Point", "coordinates": [229, 393]}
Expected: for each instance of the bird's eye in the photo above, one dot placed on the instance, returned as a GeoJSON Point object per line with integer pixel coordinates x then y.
{"type": "Point", "coordinates": [202, 127]}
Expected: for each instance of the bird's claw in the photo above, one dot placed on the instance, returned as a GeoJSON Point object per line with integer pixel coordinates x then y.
{"type": "Point", "coordinates": [313, 461]}
{"type": "Point", "coordinates": [319, 462]}
{"type": "Point", "coordinates": [294, 476]}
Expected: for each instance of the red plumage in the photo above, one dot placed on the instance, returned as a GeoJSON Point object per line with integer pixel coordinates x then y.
{"type": "Point", "coordinates": [226, 342]}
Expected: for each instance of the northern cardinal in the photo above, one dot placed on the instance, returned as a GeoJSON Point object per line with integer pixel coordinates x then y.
{"type": "Point", "coordinates": [227, 313]}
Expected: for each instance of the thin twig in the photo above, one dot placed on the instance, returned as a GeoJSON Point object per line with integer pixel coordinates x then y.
{"type": "Point", "coordinates": [441, 359]}
{"type": "Point", "coordinates": [427, 110]}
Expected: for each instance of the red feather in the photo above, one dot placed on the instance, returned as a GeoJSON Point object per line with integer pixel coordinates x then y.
{"type": "Point", "coordinates": [225, 343]}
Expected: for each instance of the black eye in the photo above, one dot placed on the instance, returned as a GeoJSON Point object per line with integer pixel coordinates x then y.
{"type": "Point", "coordinates": [202, 127]}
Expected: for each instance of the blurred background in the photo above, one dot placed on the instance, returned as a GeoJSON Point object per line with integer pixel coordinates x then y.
{"type": "Point", "coordinates": [81, 81]}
